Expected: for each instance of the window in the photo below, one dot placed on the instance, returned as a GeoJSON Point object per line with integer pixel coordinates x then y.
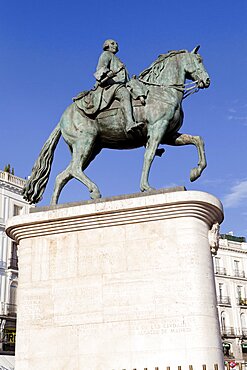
{"type": "Point", "coordinates": [13, 290]}
{"type": "Point", "coordinates": [13, 261]}
{"type": "Point", "coordinates": [244, 347]}
{"type": "Point", "coordinates": [226, 348]}
{"type": "Point", "coordinates": [17, 210]}
{"type": "Point", "coordinates": [239, 291]}
{"type": "Point", "coordinates": [221, 286]}
{"type": "Point", "coordinates": [12, 299]}
{"type": "Point", "coordinates": [238, 268]}
{"type": "Point", "coordinates": [217, 262]}
{"type": "Point", "coordinates": [236, 265]}
{"type": "Point", "coordinates": [219, 267]}
{"type": "Point", "coordinates": [241, 297]}
{"type": "Point", "coordinates": [223, 321]}
{"type": "Point", "coordinates": [243, 320]}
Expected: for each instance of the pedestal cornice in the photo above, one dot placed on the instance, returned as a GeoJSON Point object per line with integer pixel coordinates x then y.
{"type": "Point", "coordinates": [138, 209]}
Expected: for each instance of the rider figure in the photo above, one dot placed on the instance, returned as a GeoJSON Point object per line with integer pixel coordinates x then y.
{"type": "Point", "coordinates": [111, 74]}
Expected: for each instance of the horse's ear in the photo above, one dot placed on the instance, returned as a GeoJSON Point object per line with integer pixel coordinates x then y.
{"type": "Point", "coordinates": [195, 50]}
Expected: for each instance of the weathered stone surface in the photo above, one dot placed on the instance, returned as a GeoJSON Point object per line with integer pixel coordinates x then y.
{"type": "Point", "coordinates": [121, 284]}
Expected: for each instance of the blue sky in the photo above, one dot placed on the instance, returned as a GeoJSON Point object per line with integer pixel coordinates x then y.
{"type": "Point", "coordinates": [49, 51]}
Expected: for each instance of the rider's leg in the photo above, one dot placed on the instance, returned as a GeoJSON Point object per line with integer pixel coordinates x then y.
{"type": "Point", "coordinates": [123, 96]}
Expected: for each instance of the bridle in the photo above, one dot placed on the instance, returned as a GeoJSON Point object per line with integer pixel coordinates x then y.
{"type": "Point", "coordinates": [187, 89]}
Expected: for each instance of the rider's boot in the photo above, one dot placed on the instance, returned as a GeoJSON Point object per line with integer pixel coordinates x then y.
{"type": "Point", "coordinates": [125, 100]}
{"type": "Point", "coordinates": [132, 126]}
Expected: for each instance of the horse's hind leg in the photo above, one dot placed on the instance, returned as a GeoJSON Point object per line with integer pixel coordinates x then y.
{"type": "Point", "coordinates": [185, 139]}
{"type": "Point", "coordinates": [61, 181]}
{"type": "Point", "coordinates": [81, 156]}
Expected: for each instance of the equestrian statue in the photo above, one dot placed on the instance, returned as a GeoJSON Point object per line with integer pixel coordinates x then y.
{"type": "Point", "coordinates": [123, 113]}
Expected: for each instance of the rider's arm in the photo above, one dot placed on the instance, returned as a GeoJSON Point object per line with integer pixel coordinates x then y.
{"type": "Point", "coordinates": [103, 68]}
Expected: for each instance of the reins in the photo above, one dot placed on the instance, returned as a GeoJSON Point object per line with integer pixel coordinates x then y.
{"type": "Point", "coordinates": [187, 91]}
{"type": "Point", "coordinates": [191, 90]}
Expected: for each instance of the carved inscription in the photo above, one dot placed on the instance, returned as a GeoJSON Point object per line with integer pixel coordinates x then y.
{"type": "Point", "coordinates": [31, 308]}
{"type": "Point", "coordinates": [159, 327]}
{"type": "Point", "coordinates": [101, 259]}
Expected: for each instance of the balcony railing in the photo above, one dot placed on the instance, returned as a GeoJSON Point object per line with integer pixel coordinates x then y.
{"type": "Point", "coordinates": [12, 179]}
{"type": "Point", "coordinates": [238, 273]}
{"type": "Point", "coordinates": [8, 309]}
{"type": "Point", "coordinates": [224, 300]}
{"type": "Point", "coordinates": [242, 301]}
{"type": "Point", "coordinates": [220, 270]}
{"type": "Point", "coordinates": [228, 331]}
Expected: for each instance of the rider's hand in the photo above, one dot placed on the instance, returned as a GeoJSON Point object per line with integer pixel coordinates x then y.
{"type": "Point", "coordinates": [110, 74]}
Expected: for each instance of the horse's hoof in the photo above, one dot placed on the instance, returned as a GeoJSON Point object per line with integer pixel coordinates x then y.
{"type": "Point", "coordinates": [147, 188]}
{"type": "Point", "coordinates": [95, 194]}
{"type": "Point", "coordinates": [194, 174]}
{"type": "Point", "coordinates": [53, 202]}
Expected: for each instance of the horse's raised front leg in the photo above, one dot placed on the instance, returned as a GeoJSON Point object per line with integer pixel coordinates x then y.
{"type": "Point", "coordinates": [155, 134]}
{"type": "Point", "coordinates": [185, 139]}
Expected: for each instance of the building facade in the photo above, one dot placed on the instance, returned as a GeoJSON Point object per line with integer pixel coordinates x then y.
{"type": "Point", "coordinates": [230, 266]}
{"type": "Point", "coordinates": [11, 204]}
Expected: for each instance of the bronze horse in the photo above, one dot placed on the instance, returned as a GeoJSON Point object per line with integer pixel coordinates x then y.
{"type": "Point", "coordinates": [162, 114]}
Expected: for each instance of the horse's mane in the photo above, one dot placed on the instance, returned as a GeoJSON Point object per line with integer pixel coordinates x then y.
{"type": "Point", "coordinates": [151, 73]}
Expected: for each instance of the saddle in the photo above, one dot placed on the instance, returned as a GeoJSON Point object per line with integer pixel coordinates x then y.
{"type": "Point", "coordinates": [89, 101]}
{"type": "Point", "coordinates": [113, 108]}
{"type": "Point", "coordinates": [98, 100]}
{"type": "Point", "coordinates": [81, 98]}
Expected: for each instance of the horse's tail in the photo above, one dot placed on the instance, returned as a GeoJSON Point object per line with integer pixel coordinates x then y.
{"type": "Point", "coordinates": [36, 183]}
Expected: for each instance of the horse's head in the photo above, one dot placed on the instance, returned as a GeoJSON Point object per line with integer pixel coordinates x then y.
{"type": "Point", "coordinates": [195, 69]}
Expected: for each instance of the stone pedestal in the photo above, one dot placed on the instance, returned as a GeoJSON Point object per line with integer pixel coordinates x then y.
{"type": "Point", "coordinates": [122, 283]}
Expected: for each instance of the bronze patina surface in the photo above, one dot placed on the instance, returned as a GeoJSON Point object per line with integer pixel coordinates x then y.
{"type": "Point", "coordinates": [160, 90]}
